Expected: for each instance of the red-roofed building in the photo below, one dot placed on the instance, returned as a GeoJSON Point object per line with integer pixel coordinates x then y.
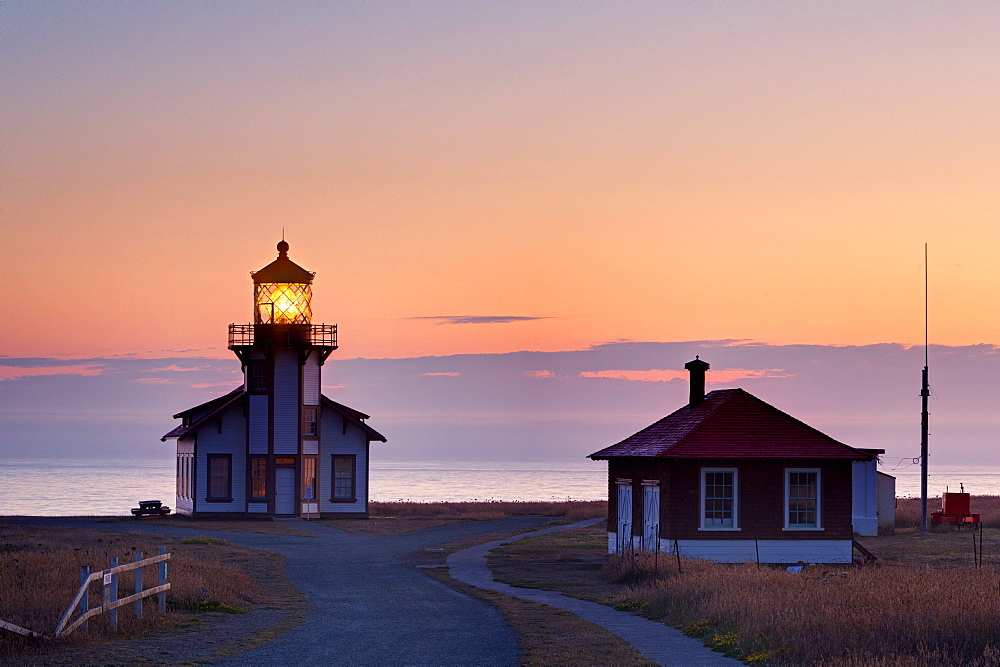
{"type": "Point", "coordinates": [731, 478]}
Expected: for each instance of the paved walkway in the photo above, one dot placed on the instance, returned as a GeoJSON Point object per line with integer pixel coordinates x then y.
{"type": "Point", "coordinates": [657, 642]}
{"type": "Point", "coordinates": [371, 606]}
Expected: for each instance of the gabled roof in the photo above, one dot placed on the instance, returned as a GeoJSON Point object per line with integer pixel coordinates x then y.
{"type": "Point", "coordinates": [199, 415]}
{"type": "Point", "coordinates": [355, 417]}
{"type": "Point", "coordinates": [731, 423]}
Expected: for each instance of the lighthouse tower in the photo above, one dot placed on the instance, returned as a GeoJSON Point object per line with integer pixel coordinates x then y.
{"type": "Point", "coordinates": [277, 446]}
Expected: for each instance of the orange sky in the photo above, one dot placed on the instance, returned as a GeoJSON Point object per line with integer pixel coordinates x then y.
{"type": "Point", "coordinates": [660, 171]}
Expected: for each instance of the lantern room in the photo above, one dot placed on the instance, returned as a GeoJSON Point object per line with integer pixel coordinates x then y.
{"type": "Point", "coordinates": [282, 291]}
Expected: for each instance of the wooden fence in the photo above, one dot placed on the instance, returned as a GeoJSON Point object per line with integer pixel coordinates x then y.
{"type": "Point", "coordinates": [109, 598]}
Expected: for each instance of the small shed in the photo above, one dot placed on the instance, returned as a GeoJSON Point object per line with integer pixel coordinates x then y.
{"type": "Point", "coordinates": [886, 502]}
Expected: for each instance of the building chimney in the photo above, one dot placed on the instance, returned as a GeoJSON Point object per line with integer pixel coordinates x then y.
{"type": "Point", "coordinates": [697, 369]}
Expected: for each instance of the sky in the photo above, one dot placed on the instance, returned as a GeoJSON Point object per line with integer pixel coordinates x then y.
{"type": "Point", "coordinates": [497, 199]}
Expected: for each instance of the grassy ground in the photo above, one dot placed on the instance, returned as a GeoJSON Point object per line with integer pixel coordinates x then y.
{"type": "Point", "coordinates": [204, 571]}
{"type": "Point", "coordinates": [550, 636]}
{"type": "Point", "coordinates": [214, 586]}
{"type": "Point", "coordinates": [232, 525]}
{"type": "Point", "coordinates": [398, 517]}
{"type": "Point", "coordinates": [921, 604]}
{"type": "Point", "coordinates": [908, 511]}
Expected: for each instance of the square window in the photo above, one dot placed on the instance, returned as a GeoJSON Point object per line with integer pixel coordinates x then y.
{"type": "Point", "coordinates": [220, 467]}
{"type": "Point", "coordinates": [719, 499]}
{"type": "Point", "coordinates": [802, 501]}
{"type": "Point", "coordinates": [343, 478]}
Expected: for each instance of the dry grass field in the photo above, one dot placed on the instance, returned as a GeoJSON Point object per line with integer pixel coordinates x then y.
{"type": "Point", "coordinates": [923, 603]}
{"type": "Point", "coordinates": [40, 574]}
{"type": "Point", "coordinates": [908, 510]}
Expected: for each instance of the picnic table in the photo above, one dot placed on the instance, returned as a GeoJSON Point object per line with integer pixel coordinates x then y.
{"type": "Point", "coordinates": [151, 507]}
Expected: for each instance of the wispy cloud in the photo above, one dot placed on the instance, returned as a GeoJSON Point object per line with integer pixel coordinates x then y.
{"type": "Point", "coordinates": [478, 319]}
{"type": "Point", "coordinates": [175, 367]}
{"type": "Point", "coordinates": [208, 385]}
{"type": "Point", "coordinates": [16, 372]}
{"type": "Point", "coordinates": [152, 381]}
{"type": "Point", "coordinates": [540, 374]}
{"type": "Point", "coordinates": [723, 376]}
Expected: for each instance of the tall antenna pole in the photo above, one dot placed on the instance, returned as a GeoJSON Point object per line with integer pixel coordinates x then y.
{"type": "Point", "coordinates": [925, 392]}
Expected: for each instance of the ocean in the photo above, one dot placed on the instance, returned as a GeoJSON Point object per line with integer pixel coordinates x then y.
{"type": "Point", "coordinates": [68, 487]}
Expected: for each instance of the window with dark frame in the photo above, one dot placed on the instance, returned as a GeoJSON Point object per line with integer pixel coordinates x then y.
{"type": "Point", "coordinates": [802, 498]}
{"type": "Point", "coordinates": [343, 478]}
{"type": "Point", "coordinates": [309, 423]}
{"type": "Point", "coordinates": [258, 478]}
{"type": "Point", "coordinates": [309, 490]}
{"type": "Point", "coordinates": [220, 468]}
{"type": "Point", "coordinates": [259, 377]}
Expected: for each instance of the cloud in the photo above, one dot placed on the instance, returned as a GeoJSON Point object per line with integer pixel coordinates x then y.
{"type": "Point", "coordinates": [493, 405]}
{"type": "Point", "coordinates": [724, 376]}
{"type": "Point", "coordinates": [176, 368]}
{"type": "Point", "coordinates": [651, 375]}
{"type": "Point", "coordinates": [17, 372]}
{"type": "Point", "coordinates": [478, 319]}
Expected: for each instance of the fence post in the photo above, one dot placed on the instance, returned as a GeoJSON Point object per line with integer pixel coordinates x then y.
{"type": "Point", "coordinates": [84, 603]}
{"type": "Point", "coordinates": [163, 580]}
{"type": "Point", "coordinates": [113, 613]}
{"type": "Point", "coordinates": [138, 585]}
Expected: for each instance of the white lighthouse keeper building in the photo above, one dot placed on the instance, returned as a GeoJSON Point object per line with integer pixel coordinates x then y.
{"type": "Point", "coordinates": [275, 446]}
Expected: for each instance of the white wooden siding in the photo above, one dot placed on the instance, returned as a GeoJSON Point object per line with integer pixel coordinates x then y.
{"type": "Point", "coordinates": [745, 551]}
{"type": "Point", "coordinates": [310, 381]}
{"type": "Point", "coordinates": [286, 402]}
{"type": "Point", "coordinates": [332, 441]}
{"type": "Point", "coordinates": [864, 495]}
{"type": "Point", "coordinates": [232, 440]}
{"type": "Point", "coordinates": [257, 508]}
{"type": "Point", "coordinates": [310, 447]}
{"type": "Point", "coordinates": [258, 424]}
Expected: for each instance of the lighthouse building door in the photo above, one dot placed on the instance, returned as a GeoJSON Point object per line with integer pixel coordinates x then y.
{"type": "Point", "coordinates": [284, 491]}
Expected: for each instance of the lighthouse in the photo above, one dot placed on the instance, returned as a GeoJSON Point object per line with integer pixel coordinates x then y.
{"type": "Point", "coordinates": [275, 445]}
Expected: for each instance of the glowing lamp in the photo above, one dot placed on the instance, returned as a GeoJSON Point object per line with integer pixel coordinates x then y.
{"type": "Point", "coordinates": [282, 291]}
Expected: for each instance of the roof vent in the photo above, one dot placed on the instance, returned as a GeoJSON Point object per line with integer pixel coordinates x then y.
{"type": "Point", "coordinates": [697, 369]}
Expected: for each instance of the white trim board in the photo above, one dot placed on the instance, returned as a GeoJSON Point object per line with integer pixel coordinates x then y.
{"type": "Point", "coordinates": [744, 551]}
